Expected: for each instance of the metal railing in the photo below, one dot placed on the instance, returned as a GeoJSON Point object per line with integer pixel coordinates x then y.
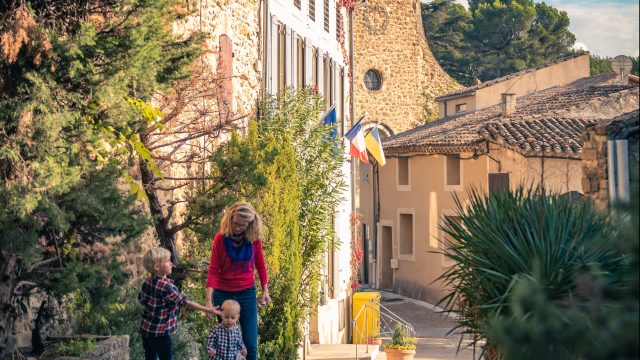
{"type": "Point", "coordinates": [384, 319]}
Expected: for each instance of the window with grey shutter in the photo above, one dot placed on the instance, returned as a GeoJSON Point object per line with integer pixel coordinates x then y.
{"type": "Point", "coordinates": [297, 3]}
{"type": "Point", "coordinates": [326, 15]}
{"type": "Point", "coordinates": [312, 10]}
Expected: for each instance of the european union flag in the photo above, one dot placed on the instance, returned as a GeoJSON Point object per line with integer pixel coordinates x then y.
{"type": "Point", "coordinates": [330, 119]}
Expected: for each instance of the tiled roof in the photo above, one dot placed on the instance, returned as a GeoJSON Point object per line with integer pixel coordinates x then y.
{"type": "Point", "coordinates": [618, 127]}
{"type": "Point", "coordinates": [562, 137]}
{"type": "Point", "coordinates": [471, 89]}
{"type": "Point", "coordinates": [534, 122]}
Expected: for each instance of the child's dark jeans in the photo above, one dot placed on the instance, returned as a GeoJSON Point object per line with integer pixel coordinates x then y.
{"type": "Point", "coordinates": [157, 348]}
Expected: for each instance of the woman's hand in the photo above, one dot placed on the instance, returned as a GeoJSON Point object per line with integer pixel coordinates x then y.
{"type": "Point", "coordinates": [209, 304]}
{"type": "Point", "coordinates": [265, 299]}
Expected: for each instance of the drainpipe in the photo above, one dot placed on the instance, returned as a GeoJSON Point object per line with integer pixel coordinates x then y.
{"type": "Point", "coordinates": [611, 167]}
{"type": "Point", "coordinates": [622, 162]}
{"type": "Point", "coordinates": [376, 220]}
{"type": "Point", "coordinates": [352, 111]}
{"type": "Point", "coordinates": [352, 102]}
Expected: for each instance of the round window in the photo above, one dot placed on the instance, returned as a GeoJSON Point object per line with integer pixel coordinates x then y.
{"type": "Point", "coordinates": [373, 80]}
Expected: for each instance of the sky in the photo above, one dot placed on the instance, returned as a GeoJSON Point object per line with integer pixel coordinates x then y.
{"type": "Point", "coordinates": [604, 27]}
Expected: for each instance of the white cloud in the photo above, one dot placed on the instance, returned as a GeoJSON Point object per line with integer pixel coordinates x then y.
{"type": "Point", "coordinates": [610, 28]}
{"type": "Point", "coordinates": [580, 46]}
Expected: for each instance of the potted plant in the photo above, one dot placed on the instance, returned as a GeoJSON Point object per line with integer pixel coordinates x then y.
{"type": "Point", "coordinates": [374, 339]}
{"type": "Point", "coordinates": [402, 346]}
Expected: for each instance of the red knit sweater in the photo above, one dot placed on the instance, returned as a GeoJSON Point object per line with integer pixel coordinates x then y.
{"type": "Point", "coordinates": [223, 276]}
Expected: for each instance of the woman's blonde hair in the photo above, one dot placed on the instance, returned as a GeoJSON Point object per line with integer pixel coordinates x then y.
{"type": "Point", "coordinates": [254, 229]}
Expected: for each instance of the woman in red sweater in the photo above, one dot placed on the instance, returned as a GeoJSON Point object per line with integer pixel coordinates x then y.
{"type": "Point", "coordinates": [236, 252]}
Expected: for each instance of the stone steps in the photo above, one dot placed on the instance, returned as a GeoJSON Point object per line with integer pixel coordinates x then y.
{"type": "Point", "coordinates": [342, 352]}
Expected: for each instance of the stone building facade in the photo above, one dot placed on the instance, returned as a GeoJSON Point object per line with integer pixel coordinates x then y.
{"type": "Point", "coordinates": [595, 164]}
{"type": "Point", "coordinates": [220, 96]}
{"type": "Point", "coordinates": [390, 45]}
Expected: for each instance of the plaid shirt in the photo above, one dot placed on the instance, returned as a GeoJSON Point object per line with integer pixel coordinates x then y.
{"type": "Point", "coordinates": [226, 341]}
{"type": "Point", "coordinates": [160, 299]}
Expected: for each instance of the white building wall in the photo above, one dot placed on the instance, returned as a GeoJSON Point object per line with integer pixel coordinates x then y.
{"type": "Point", "coordinates": [326, 326]}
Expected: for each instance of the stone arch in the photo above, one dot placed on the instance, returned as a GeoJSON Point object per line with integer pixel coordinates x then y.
{"type": "Point", "coordinates": [384, 129]}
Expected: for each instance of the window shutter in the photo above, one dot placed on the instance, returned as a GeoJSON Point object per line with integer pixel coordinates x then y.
{"type": "Point", "coordinates": [272, 86]}
{"type": "Point", "coordinates": [498, 182]}
{"type": "Point", "coordinates": [312, 10]}
{"type": "Point", "coordinates": [326, 15]}
{"type": "Point", "coordinates": [320, 73]}
{"type": "Point", "coordinates": [288, 57]}
{"type": "Point", "coordinates": [297, 3]}
{"type": "Point", "coordinates": [308, 62]}
{"type": "Point", "coordinates": [225, 75]}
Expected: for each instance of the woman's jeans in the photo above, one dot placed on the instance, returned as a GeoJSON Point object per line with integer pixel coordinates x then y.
{"type": "Point", "coordinates": [248, 316]}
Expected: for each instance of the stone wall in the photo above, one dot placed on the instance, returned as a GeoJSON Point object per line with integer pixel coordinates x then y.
{"type": "Point", "coordinates": [595, 159]}
{"type": "Point", "coordinates": [213, 101]}
{"type": "Point", "coordinates": [239, 20]}
{"type": "Point", "coordinates": [113, 348]}
{"type": "Point", "coordinates": [389, 37]}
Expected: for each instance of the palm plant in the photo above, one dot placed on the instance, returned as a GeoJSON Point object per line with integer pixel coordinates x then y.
{"type": "Point", "coordinates": [506, 237]}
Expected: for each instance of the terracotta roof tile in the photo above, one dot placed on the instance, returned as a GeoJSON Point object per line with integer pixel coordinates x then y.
{"type": "Point", "coordinates": [540, 117]}
{"type": "Point", "coordinates": [559, 136]}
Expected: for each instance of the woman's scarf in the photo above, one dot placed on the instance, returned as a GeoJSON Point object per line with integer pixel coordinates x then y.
{"type": "Point", "coordinates": [242, 256]}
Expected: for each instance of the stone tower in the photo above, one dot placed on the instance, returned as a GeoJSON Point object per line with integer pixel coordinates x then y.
{"type": "Point", "coordinates": [395, 73]}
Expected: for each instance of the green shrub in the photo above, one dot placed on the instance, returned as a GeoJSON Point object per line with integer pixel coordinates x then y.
{"type": "Point", "coordinates": [598, 321]}
{"type": "Point", "coordinates": [76, 347]}
{"type": "Point", "coordinates": [401, 339]}
{"type": "Point", "coordinates": [523, 245]}
{"type": "Point", "coordinates": [288, 167]}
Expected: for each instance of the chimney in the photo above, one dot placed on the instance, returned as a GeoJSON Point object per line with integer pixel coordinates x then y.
{"type": "Point", "coordinates": [508, 103]}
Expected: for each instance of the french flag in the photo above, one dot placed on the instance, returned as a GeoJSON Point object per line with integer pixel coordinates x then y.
{"type": "Point", "coordinates": [358, 148]}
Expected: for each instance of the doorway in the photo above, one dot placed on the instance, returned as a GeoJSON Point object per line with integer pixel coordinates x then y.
{"type": "Point", "coordinates": [386, 253]}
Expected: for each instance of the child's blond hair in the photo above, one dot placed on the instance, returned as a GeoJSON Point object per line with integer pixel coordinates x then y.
{"type": "Point", "coordinates": [231, 305]}
{"type": "Point", "coordinates": [254, 229]}
{"type": "Point", "coordinates": [154, 256]}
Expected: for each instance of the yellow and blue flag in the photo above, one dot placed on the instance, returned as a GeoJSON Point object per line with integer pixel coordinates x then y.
{"type": "Point", "coordinates": [374, 145]}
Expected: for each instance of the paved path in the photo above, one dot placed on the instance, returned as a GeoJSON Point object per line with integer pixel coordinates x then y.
{"type": "Point", "coordinates": [431, 329]}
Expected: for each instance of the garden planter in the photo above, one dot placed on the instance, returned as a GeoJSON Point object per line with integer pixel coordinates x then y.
{"type": "Point", "coordinates": [397, 354]}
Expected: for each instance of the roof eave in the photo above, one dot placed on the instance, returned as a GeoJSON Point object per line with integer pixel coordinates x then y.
{"type": "Point", "coordinates": [456, 96]}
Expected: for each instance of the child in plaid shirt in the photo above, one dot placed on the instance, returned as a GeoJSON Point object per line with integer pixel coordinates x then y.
{"type": "Point", "coordinates": [161, 300]}
{"type": "Point", "coordinates": [225, 339]}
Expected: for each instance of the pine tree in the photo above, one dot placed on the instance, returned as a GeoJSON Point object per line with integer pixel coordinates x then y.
{"type": "Point", "coordinates": [495, 38]}
{"type": "Point", "coordinates": [72, 77]}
